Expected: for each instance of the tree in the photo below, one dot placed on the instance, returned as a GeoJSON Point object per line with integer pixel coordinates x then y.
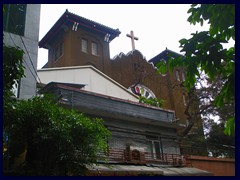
{"type": "Point", "coordinates": [55, 140]}
{"type": "Point", "coordinates": [205, 54]}
{"type": "Point", "coordinates": [13, 70]}
{"type": "Point", "coordinates": [218, 143]}
{"type": "Point", "coordinates": [12, 66]}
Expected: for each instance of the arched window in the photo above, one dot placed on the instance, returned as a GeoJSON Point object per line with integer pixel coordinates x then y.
{"type": "Point", "coordinates": [184, 100]}
{"type": "Point", "coordinates": [177, 75]}
{"type": "Point", "coordinates": [183, 77]}
{"type": "Point", "coordinates": [142, 90]}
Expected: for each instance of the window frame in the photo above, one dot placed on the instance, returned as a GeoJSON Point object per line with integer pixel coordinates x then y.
{"type": "Point", "coordinates": [61, 49]}
{"type": "Point", "coordinates": [152, 143]}
{"type": "Point", "coordinates": [94, 50]}
{"type": "Point", "coordinates": [178, 75]}
{"type": "Point", "coordinates": [184, 100]}
{"type": "Point", "coordinates": [183, 77]}
{"type": "Point", "coordinates": [11, 20]}
{"type": "Point", "coordinates": [56, 53]}
{"type": "Point", "coordinates": [84, 45]}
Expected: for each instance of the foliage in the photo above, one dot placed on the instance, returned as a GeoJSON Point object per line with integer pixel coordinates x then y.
{"type": "Point", "coordinates": [151, 101]}
{"type": "Point", "coordinates": [204, 52]}
{"type": "Point", "coordinates": [57, 141]}
{"type": "Point", "coordinates": [218, 143]}
{"type": "Point", "coordinates": [194, 144]}
{"type": "Point", "coordinates": [13, 70]}
{"type": "Point", "coordinates": [162, 67]}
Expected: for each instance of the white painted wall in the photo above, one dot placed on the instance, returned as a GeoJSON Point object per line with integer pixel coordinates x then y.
{"type": "Point", "coordinates": [95, 80]}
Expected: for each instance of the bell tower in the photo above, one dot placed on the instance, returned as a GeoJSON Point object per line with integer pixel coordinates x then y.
{"type": "Point", "coordinates": [77, 41]}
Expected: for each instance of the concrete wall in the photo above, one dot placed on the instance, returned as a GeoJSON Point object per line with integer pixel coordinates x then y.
{"type": "Point", "coordinates": [30, 38]}
{"type": "Point", "coordinates": [94, 79]}
{"type": "Point", "coordinates": [218, 166]}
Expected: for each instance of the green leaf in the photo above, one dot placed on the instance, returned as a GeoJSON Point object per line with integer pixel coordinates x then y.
{"type": "Point", "coordinates": [230, 127]}
{"type": "Point", "coordinates": [54, 136]}
{"type": "Point", "coordinates": [219, 101]}
{"type": "Point", "coordinates": [183, 41]}
{"type": "Point", "coordinates": [162, 67]}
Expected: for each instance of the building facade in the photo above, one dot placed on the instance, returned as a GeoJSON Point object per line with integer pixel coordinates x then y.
{"type": "Point", "coordinates": [143, 139]}
{"type": "Point", "coordinates": [21, 29]}
{"type": "Point", "coordinates": [77, 41]}
{"type": "Point", "coordinates": [142, 135]}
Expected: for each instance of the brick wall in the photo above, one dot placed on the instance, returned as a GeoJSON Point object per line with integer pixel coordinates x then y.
{"type": "Point", "coordinates": [218, 166]}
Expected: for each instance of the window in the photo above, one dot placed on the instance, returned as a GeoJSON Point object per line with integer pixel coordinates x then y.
{"type": "Point", "coordinates": [52, 53]}
{"type": "Point", "coordinates": [183, 77]}
{"type": "Point", "coordinates": [14, 18]}
{"type": "Point", "coordinates": [184, 100]}
{"type": "Point", "coordinates": [177, 75]}
{"type": "Point", "coordinates": [94, 49]}
{"type": "Point", "coordinates": [142, 90]}
{"type": "Point", "coordinates": [58, 51]}
{"type": "Point", "coordinates": [84, 45]}
{"type": "Point", "coordinates": [61, 49]}
{"type": "Point", "coordinates": [154, 147]}
{"type": "Point", "coordinates": [56, 54]}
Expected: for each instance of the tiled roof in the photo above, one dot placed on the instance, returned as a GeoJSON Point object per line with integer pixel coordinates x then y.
{"type": "Point", "coordinates": [94, 24]}
{"type": "Point", "coordinates": [166, 54]}
{"type": "Point", "coordinates": [67, 18]}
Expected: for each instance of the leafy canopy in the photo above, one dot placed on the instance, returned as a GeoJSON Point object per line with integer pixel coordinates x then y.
{"type": "Point", "coordinates": [13, 70]}
{"type": "Point", "coordinates": [204, 52]}
{"type": "Point", "coordinates": [57, 140]}
{"type": "Point", "coordinates": [220, 144]}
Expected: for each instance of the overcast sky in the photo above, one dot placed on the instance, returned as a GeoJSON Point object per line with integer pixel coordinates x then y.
{"type": "Point", "coordinates": [156, 25]}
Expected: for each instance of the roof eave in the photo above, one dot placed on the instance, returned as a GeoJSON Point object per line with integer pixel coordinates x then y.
{"type": "Point", "coordinates": [42, 43]}
{"type": "Point", "coordinates": [70, 17]}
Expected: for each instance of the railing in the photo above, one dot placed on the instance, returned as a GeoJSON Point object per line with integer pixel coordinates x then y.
{"type": "Point", "coordinates": [137, 157]}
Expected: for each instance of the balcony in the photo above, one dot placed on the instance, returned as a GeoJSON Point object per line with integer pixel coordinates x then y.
{"type": "Point", "coordinates": [126, 156]}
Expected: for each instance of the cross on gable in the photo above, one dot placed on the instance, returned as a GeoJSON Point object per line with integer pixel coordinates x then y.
{"type": "Point", "coordinates": [131, 35]}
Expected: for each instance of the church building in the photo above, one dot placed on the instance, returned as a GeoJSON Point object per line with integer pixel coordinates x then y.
{"type": "Point", "coordinates": [77, 41]}
{"type": "Point", "coordinates": [80, 69]}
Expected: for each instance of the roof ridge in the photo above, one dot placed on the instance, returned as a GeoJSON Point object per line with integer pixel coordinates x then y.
{"type": "Point", "coordinates": [71, 17]}
{"type": "Point", "coordinates": [91, 21]}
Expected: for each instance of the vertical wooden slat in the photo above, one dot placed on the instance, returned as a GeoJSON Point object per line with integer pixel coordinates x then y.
{"type": "Point", "coordinates": [123, 156]}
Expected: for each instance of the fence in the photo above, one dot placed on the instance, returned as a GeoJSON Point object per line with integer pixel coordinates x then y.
{"type": "Point", "coordinates": [138, 157]}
